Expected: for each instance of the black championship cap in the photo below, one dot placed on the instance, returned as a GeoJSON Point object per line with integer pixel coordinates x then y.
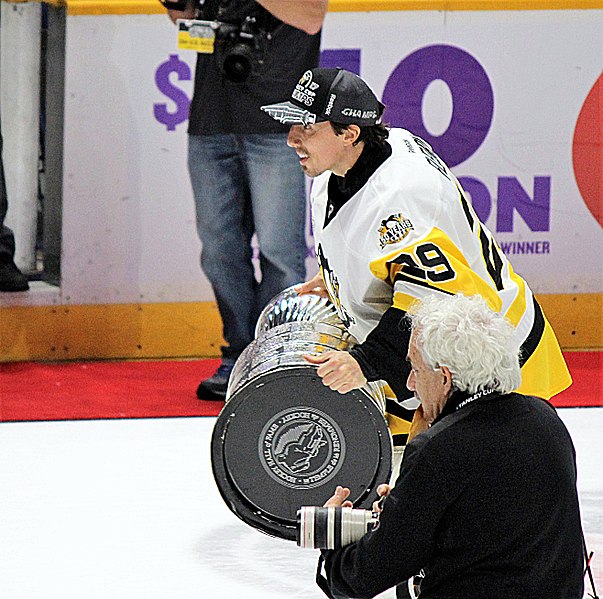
{"type": "Point", "coordinates": [329, 95]}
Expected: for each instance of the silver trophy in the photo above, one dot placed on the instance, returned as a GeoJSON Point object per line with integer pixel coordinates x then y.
{"type": "Point", "coordinates": [283, 439]}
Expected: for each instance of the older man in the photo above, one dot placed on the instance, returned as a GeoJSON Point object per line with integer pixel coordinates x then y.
{"type": "Point", "coordinates": [486, 501]}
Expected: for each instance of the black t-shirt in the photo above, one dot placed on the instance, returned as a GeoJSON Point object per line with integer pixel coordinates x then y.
{"type": "Point", "coordinates": [221, 106]}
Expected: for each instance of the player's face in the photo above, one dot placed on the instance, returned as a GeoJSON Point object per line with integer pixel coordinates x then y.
{"type": "Point", "coordinates": [430, 386]}
{"type": "Point", "coordinates": [318, 147]}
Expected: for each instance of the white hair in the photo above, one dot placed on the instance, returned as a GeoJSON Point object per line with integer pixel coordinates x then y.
{"type": "Point", "coordinates": [478, 345]}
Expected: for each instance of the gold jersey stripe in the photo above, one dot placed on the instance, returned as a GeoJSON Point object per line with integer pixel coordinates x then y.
{"type": "Point", "coordinates": [397, 426]}
{"type": "Point", "coordinates": [545, 372]}
{"type": "Point", "coordinates": [403, 301]}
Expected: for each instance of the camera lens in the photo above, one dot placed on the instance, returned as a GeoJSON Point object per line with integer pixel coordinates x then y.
{"type": "Point", "coordinates": [238, 63]}
{"type": "Point", "coordinates": [332, 527]}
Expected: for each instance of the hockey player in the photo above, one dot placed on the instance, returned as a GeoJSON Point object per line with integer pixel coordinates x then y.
{"type": "Point", "coordinates": [392, 225]}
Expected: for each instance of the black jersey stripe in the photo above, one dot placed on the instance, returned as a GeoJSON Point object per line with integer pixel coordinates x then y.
{"type": "Point", "coordinates": [400, 440]}
{"type": "Point", "coordinates": [468, 215]}
{"type": "Point", "coordinates": [489, 252]}
{"type": "Point", "coordinates": [395, 409]}
{"type": "Point", "coordinates": [533, 339]}
{"type": "Point", "coordinates": [405, 278]}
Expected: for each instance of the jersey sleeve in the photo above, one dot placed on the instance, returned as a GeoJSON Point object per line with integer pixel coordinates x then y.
{"type": "Point", "coordinates": [431, 264]}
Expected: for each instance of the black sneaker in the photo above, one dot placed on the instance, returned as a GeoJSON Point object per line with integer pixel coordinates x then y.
{"type": "Point", "coordinates": [214, 388]}
{"type": "Point", "coordinates": [11, 278]}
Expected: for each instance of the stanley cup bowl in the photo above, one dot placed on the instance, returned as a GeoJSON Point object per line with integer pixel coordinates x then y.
{"type": "Point", "coordinates": [289, 307]}
{"type": "Point", "coordinates": [284, 439]}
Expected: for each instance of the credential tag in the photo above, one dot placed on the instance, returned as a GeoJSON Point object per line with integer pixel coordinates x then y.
{"type": "Point", "coordinates": [196, 35]}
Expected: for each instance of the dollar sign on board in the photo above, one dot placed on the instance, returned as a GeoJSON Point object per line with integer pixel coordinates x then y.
{"type": "Point", "coordinates": [180, 99]}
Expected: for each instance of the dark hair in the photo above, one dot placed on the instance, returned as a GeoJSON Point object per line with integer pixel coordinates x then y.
{"type": "Point", "coordinates": [373, 135]}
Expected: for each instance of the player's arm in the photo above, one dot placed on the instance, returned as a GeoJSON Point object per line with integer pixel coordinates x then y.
{"type": "Point", "coordinates": [383, 353]}
{"type": "Point", "coordinates": [306, 15]}
{"type": "Point", "coordinates": [382, 356]}
{"type": "Point", "coordinates": [413, 271]}
{"type": "Point", "coordinates": [339, 370]}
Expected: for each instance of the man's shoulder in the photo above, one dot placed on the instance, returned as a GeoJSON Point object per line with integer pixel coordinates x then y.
{"type": "Point", "coordinates": [538, 404]}
{"type": "Point", "coordinates": [500, 409]}
{"type": "Point", "coordinates": [446, 428]}
{"type": "Point", "coordinates": [438, 437]}
{"type": "Point", "coordinates": [406, 169]}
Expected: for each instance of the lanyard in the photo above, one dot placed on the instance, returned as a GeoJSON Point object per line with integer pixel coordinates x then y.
{"type": "Point", "coordinates": [474, 397]}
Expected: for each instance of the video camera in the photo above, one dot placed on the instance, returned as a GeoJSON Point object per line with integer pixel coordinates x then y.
{"type": "Point", "coordinates": [239, 31]}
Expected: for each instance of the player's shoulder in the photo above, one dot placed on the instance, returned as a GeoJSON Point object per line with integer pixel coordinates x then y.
{"type": "Point", "coordinates": [406, 169]}
{"type": "Point", "coordinates": [405, 184]}
{"type": "Point", "coordinates": [408, 146]}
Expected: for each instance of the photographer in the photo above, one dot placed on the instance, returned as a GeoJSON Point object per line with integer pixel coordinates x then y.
{"type": "Point", "coordinates": [245, 179]}
{"type": "Point", "coordinates": [486, 501]}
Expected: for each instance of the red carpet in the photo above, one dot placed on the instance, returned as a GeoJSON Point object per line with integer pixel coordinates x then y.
{"type": "Point", "coordinates": [80, 391]}
{"type": "Point", "coordinates": [587, 374]}
{"type": "Point", "coordinates": [97, 390]}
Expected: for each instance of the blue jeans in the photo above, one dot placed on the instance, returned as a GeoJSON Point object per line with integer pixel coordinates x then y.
{"type": "Point", "coordinates": [246, 184]}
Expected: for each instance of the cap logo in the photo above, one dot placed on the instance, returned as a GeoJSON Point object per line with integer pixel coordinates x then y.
{"type": "Point", "coordinates": [330, 104]}
{"type": "Point", "coordinates": [289, 114]}
{"type": "Point", "coordinates": [305, 90]}
{"type": "Point", "coordinates": [359, 114]}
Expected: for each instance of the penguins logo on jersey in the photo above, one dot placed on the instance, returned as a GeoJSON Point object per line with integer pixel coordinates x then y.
{"type": "Point", "coordinates": [394, 229]}
{"type": "Point", "coordinates": [332, 284]}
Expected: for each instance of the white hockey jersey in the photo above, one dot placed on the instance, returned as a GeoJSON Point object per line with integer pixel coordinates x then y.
{"type": "Point", "coordinates": [409, 232]}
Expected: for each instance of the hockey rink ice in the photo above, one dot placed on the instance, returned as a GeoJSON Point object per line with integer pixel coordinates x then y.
{"type": "Point", "coordinates": [128, 509]}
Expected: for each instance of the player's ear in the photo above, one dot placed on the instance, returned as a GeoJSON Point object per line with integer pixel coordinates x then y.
{"type": "Point", "coordinates": [351, 133]}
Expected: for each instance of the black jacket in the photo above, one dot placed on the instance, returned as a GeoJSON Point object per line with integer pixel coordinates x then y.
{"type": "Point", "coordinates": [486, 503]}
